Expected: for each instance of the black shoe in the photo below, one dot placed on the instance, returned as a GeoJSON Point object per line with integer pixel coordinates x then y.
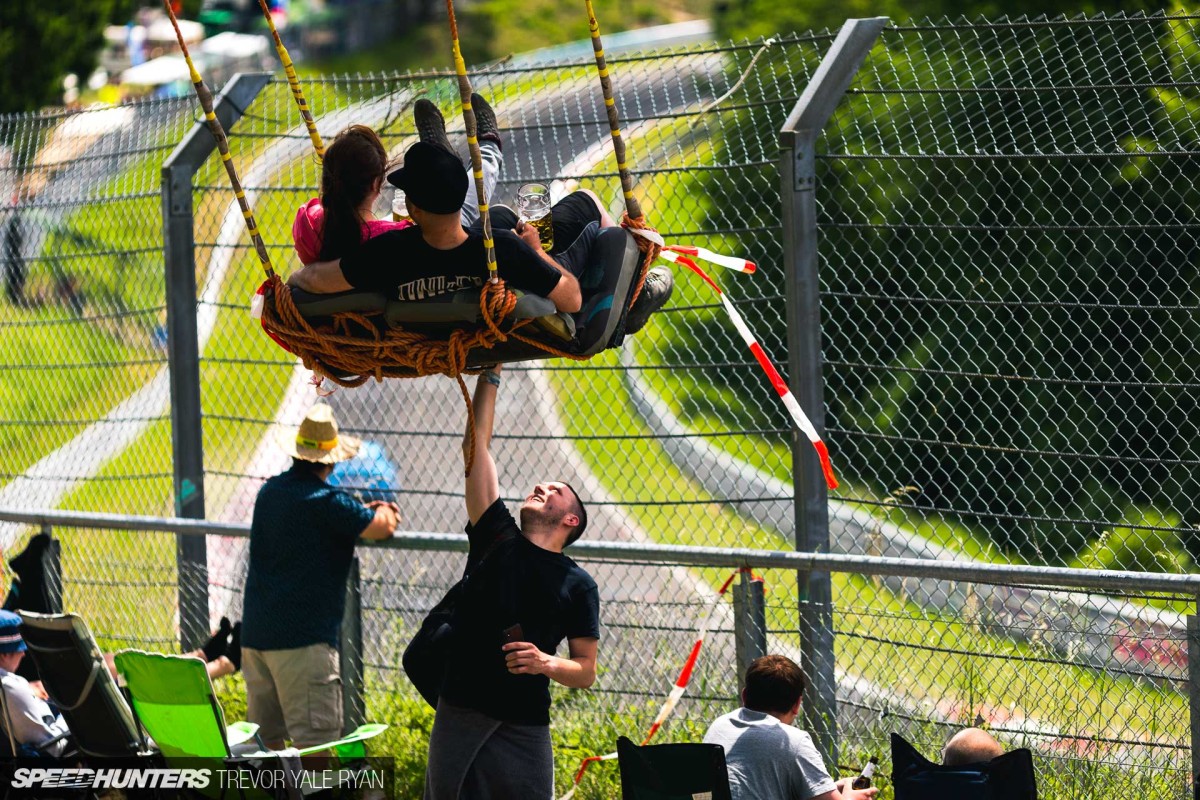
{"type": "Point", "coordinates": [431, 127]}
{"type": "Point", "coordinates": [656, 291]}
{"type": "Point", "coordinates": [234, 653]}
{"type": "Point", "coordinates": [218, 643]}
{"type": "Point", "coordinates": [486, 127]}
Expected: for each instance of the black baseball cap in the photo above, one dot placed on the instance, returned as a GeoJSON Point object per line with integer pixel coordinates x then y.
{"type": "Point", "coordinates": [432, 178]}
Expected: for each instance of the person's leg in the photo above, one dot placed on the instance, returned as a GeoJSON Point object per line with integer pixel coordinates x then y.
{"type": "Point", "coordinates": [503, 218]}
{"type": "Point", "coordinates": [490, 143]}
{"type": "Point", "coordinates": [493, 162]}
{"type": "Point", "coordinates": [606, 221]}
{"type": "Point", "coordinates": [262, 700]}
{"type": "Point", "coordinates": [309, 684]}
{"type": "Point", "coordinates": [456, 738]}
{"type": "Point", "coordinates": [571, 216]}
{"type": "Point", "coordinates": [516, 761]}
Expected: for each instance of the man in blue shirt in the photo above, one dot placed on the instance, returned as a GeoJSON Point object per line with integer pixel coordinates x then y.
{"type": "Point", "coordinates": [302, 543]}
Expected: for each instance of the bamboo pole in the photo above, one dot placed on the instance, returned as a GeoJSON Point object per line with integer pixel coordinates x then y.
{"type": "Point", "coordinates": [214, 125]}
{"type": "Point", "coordinates": [632, 207]}
{"type": "Point", "coordinates": [294, 82]}
{"type": "Point", "coordinates": [464, 90]}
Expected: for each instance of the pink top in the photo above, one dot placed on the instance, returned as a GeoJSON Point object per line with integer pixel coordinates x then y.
{"type": "Point", "coordinates": [310, 222]}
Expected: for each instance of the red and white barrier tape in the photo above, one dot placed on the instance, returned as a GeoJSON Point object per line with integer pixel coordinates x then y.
{"type": "Point", "coordinates": [729, 262]}
{"type": "Point", "coordinates": [681, 684]}
{"type": "Point", "coordinates": [781, 388]}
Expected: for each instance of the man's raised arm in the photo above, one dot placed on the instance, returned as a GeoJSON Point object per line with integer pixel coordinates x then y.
{"type": "Point", "coordinates": [483, 487]}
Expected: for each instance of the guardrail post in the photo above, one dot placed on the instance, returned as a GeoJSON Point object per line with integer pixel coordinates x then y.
{"type": "Point", "coordinates": [798, 171]}
{"type": "Point", "coordinates": [749, 623]}
{"type": "Point", "coordinates": [1193, 643]}
{"type": "Point", "coordinates": [52, 569]}
{"type": "Point", "coordinates": [354, 707]}
{"type": "Point", "coordinates": [183, 350]}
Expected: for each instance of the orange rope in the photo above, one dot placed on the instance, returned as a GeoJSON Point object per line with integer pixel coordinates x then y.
{"type": "Point", "coordinates": [355, 348]}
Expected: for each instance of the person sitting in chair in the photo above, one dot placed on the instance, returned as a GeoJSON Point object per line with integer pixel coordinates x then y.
{"type": "Point", "coordinates": [768, 758]}
{"type": "Point", "coordinates": [440, 256]}
{"type": "Point", "coordinates": [29, 718]}
{"type": "Point", "coordinates": [970, 746]}
{"type": "Point", "coordinates": [36, 726]}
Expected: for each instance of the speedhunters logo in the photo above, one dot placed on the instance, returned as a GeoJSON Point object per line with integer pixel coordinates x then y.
{"type": "Point", "coordinates": [80, 778]}
{"type": "Point", "coordinates": [250, 776]}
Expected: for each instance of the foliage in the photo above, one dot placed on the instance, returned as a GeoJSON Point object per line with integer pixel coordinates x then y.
{"type": "Point", "coordinates": [41, 42]}
{"type": "Point", "coordinates": [884, 236]}
{"type": "Point", "coordinates": [751, 19]}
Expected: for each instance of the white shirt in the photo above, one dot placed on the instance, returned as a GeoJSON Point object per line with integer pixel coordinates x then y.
{"type": "Point", "coordinates": [768, 760]}
{"type": "Point", "coordinates": [32, 720]}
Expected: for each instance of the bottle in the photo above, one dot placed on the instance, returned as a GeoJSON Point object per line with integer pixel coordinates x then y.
{"type": "Point", "coordinates": [863, 781]}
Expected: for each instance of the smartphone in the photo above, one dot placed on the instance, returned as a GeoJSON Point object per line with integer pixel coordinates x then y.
{"type": "Point", "coordinates": [513, 633]}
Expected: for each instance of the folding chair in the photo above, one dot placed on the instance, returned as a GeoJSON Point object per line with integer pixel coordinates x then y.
{"type": "Point", "coordinates": [672, 771]}
{"type": "Point", "coordinates": [1007, 777]}
{"type": "Point", "coordinates": [173, 699]}
{"type": "Point", "coordinates": [80, 685]}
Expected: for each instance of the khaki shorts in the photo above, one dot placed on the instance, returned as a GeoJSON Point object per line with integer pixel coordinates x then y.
{"type": "Point", "coordinates": [294, 695]}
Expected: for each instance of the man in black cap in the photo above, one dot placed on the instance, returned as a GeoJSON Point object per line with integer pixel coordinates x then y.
{"type": "Point", "coordinates": [439, 256]}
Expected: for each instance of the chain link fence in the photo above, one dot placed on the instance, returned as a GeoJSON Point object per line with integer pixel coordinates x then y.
{"type": "Point", "coordinates": [1006, 270]}
{"type": "Point", "coordinates": [1099, 726]}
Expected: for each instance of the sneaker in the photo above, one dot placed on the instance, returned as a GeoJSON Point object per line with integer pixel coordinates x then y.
{"type": "Point", "coordinates": [485, 121]}
{"type": "Point", "coordinates": [656, 291]}
{"type": "Point", "coordinates": [431, 127]}
{"type": "Point", "coordinates": [234, 653]}
{"type": "Point", "coordinates": [218, 643]}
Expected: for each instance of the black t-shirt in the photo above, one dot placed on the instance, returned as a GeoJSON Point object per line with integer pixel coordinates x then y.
{"type": "Point", "coordinates": [402, 265]}
{"type": "Point", "coordinates": [550, 596]}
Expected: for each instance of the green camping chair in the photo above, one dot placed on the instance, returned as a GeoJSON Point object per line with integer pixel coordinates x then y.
{"type": "Point", "coordinates": [174, 702]}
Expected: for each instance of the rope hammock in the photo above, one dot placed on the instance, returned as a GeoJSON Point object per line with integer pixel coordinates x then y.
{"type": "Point", "coordinates": [353, 349]}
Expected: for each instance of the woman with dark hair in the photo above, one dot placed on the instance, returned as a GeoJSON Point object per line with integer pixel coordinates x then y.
{"type": "Point", "coordinates": [342, 218]}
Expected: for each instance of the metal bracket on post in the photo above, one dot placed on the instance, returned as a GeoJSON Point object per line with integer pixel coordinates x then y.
{"type": "Point", "coordinates": [798, 184]}
{"type": "Point", "coordinates": [354, 709]}
{"type": "Point", "coordinates": [183, 349]}
{"type": "Point", "coordinates": [749, 623]}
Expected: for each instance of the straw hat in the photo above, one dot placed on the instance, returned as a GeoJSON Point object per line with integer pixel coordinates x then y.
{"type": "Point", "coordinates": [317, 438]}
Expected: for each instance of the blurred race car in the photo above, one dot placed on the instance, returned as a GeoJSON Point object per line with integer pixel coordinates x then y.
{"type": "Point", "coordinates": [370, 475]}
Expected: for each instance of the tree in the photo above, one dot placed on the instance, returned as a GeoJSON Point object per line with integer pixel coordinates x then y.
{"type": "Point", "coordinates": [41, 42]}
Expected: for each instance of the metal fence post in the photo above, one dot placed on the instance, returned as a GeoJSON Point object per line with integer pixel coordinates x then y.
{"type": "Point", "coordinates": [1193, 627]}
{"type": "Point", "coordinates": [354, 707]}
{"type": "Point", "coordinates": [183, 349]}
{"type": "Point", "coordinates": [749, 622]}
{"type": "Point", "coordinates": [798, 171]}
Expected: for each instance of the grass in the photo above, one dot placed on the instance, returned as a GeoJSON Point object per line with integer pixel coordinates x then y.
{"type": "Point", "coordinates": [492, 29]}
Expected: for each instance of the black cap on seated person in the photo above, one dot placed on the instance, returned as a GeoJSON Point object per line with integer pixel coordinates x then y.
{"type": "Point", "coordinates": [432, 179]}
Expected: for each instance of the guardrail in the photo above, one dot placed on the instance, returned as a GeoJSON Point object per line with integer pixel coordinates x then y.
{"type": "Point", "coordinates": [749, 622]}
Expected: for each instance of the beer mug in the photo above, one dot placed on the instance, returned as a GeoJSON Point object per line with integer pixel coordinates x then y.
{"type": "Point", "coordinates": [533, 204]}
{"type": "Point", "coordinates": [400, 207]}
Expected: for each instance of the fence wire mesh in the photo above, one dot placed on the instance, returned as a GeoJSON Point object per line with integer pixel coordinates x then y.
{"type": "Point", "coordinates": [1009, 288]}
{"type": "Point", "coordinates": [1006, 274]}
{"type": "Point", "coordinates": [1094, 684]}
{"type": "Point", "coordinates": [83, 312]}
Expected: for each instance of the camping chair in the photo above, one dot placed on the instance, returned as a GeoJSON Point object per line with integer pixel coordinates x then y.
{"type": "Point", "coordinates": [173, 699]}
{"type": "Point", "coordinates": [80, 685]}
{"type": "Point", "coordinates": [672, 771]}
{"type": "Point", "coordinates": [1006, 777]}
